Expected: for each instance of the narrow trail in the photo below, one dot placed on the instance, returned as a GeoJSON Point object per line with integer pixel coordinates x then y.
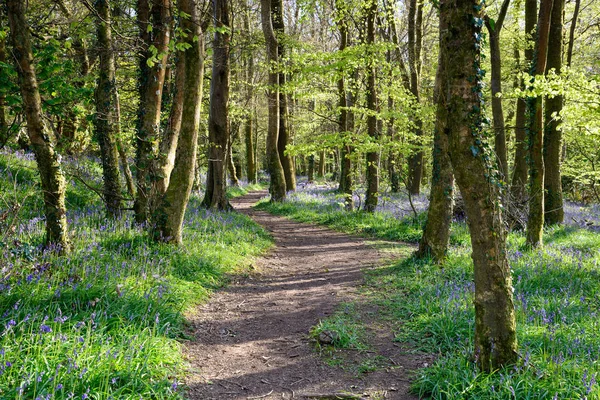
{"type": "Point", "coordinates": [251, 339]}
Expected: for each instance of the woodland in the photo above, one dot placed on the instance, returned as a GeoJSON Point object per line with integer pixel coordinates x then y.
{"type": "Point", "coordinates": [157, 157]}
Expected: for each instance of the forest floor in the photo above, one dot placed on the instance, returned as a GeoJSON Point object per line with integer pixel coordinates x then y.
{"type": "Point", "coordinates": [252, 340]}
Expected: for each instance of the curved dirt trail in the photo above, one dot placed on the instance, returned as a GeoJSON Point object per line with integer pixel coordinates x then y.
{"type": "Point", "coordinates": [251, 339]}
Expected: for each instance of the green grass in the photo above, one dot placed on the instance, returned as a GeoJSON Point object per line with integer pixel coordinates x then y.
{"type": "Point", "coordinates": [342, 329]}
{"type": "Point", "coordinates": [557, 292]}
{"type": "Point", "coordinates": [105, 321]}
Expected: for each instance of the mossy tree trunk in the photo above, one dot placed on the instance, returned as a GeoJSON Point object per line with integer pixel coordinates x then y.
{"type": "Point", "coordinates": [167, 149]}
{"type": "Point", "coordinates": [553, 200]}
{"type": "Point", "coordinates": [311, 168]}
{"type": "Point", "coordinates": [283, 138]}
{"type": "Point", "coordinates": [277, 187]}
{"type": "Point", "coordinates": [460, 60]}
{"type": "Point", "coordinates": [168, 218]}
{"type": "Point", "coordinates": [436, 233]}
{"type": "Point", "coordinates": [372, 194]}
{"type": "Point", "coordinates": [215, 195]}
{"type": "Point", "coordinates": [48, 161]}
{"type": "Point", "coordinates": [535, 131]}
{"type": "Point", "coordinates": [415, 39]}
{"type": "Point", "coordinates": [154, 28]}
{"type": "Point", "coordinates": [107, 121]}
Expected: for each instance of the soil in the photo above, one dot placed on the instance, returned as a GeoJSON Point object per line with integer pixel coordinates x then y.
{"type": "Point", "coordinates": [251, 340]}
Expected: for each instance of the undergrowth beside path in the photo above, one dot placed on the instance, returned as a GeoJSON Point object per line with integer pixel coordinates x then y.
{"type": "Point", "coordinates": [557, 292]}
{"type": "Point", "coordinates": [103, 322]}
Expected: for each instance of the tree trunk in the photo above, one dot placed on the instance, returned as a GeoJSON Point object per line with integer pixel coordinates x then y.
{"type": "Point", "coordinates": [553, 200]}
{"type": "Point", "coordinates": [168, 224]}
{"type": "Point", "coordinates": [460, 53]}
{"type": "Point", "coordinates": [168, 142]}
{"type": "Point", "coordinates": [218, 116]}
{"type": "Point", "coordinates": [496, 84]}
{"type": "Point", "coordinates": [233, 176]}
{"type": "Point", "coordinates": [283, 137]}
{"type": "Point", "coordinates": [535, 123]}
{"type": "Point", "coordinates": [436, 233]}
{"type": "Point", "coordinates": [345, 186]}
{"type": "Point", "coordinates": [415, 32]}
{"type": "Point", "coordinates": [372, 194]}
{"type": "Point", "coordinates": [249, 119]}
{"type": "Point", "coordinates": [154, 27]}
{"type": "Point", "coordinates": [107, 122]}
{"type": "Point", "coordinates": [572, 32]}
{"type": "Point", "coordinates": [322, 163]}
{"type": "Point", "coordinates": [4, 134]}
{"type": "Point", "coordinates": [48, 161]}
{"type": "Point", "coordinates": [277, 187]}
{"type": "Point", "coordinates": [311, 168]}
{"type": "Point", "coordinates": [519, 180]}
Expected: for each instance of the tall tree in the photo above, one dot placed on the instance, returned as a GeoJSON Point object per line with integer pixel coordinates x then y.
{"type": "Point", "coordinates": [168, 223]}
{"type": "Point", "coordinates": [107, 121]}
{"type": "Point", "coordinates": [277, 187]}
{"type": "Point", "coordinates": [4, 134]}
{"type": "Point", "coordinates": [436, 233]}
{"type": "Point", "coordinates": [250, 104]}
{"type": "Point", "coordinates": [218, 116]}
{"type": "Point", "coordinates": [283, 138]}
{"type": "Point", "coordinates": [535, 131]}
{"type": "Point", "coordinates": [494, 28]}
{"type": "Point", "coordinates": [346, 162]}
{"type": "Point", "coordinates": [460, 61]}
{"type": "Point", "coordinates": [372, 194]}
{"type": "Point", "coordinates": [48, 161]}
{"type": "Point", "coordinates": [154, 31]}
{"type": "Point", "coordinates": [553, 197]}
{"type": "Point", "coordinates": [167, 148]}
{"type": "Point", "coordinates": [415, 41]}
{"type": "Point", "coordinates": [519, 178]}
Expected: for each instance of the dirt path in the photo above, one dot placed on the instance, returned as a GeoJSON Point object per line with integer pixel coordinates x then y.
{"type": "Point", "coordinates": [251, 339]}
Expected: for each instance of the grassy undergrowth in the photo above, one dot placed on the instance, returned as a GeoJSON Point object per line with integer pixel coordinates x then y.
{"type": "Point", "coordinates": [557, 302]}
{"type": "Point", "coordinates": [104, 321]}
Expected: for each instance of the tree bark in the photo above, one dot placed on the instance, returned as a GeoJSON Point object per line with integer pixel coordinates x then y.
{"type": "Point", "coordinates": [436, 232]}
{"type": "Point", "coordinates": [345, 186]}
{"type": "Point", "coordinates": [283, 137]}
{"type": "Point", "coordinates": [494, 30]}
{"type": "Point", "coordinates": [311, 168]}
{"type": "Point", "coordinates": [107, 122]}
{"type": "Point", "coordinates": [519, 179]}
{"type": "Point", "coordinates": [535, 133]}
{"type": "Point", "coordinates": [218, 116]}
{"type": "Point", "coordinates": [372, 193]}
{"type": "Point", "coordinates": [168, 142]}
{"type": "Point", "coordinates": [460, 52]}
{"type": "Point", "coordinates": [249, 119]}
{"type": "Point", "coordinates": [553, 196]}
{"type": "Point", "coordinates": [277, 187]}
{"type": "Point", "coordinates": [48, 161]}
{"type": "Point", "coordinates": [168, 224]}
{"type": "Point", "coordinates": [415, 33]}
{"type": "Point", "coordinates": [154, 28]}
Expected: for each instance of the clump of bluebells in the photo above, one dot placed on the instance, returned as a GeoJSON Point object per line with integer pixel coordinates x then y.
{"type": "Point", "coordinates": [104, 321]}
